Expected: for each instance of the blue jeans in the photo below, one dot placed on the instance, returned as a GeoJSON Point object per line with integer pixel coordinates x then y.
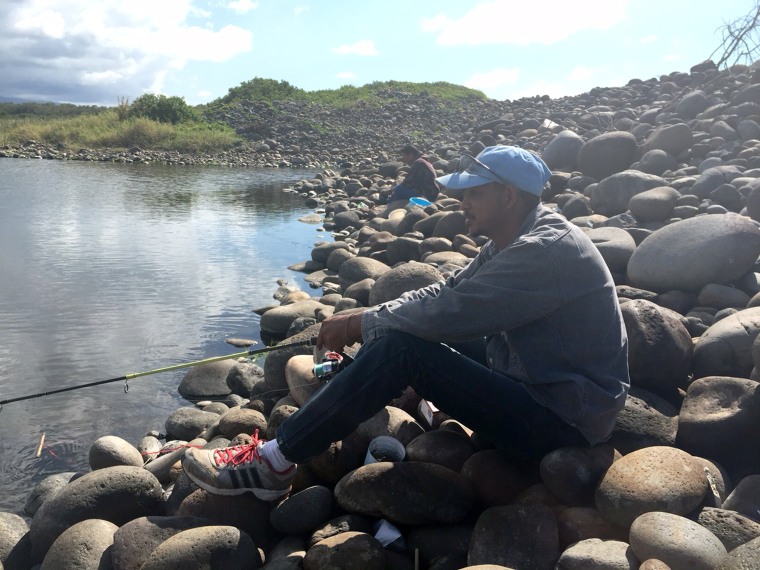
{"type": "Point", "coordinates": [401, 192]}
{"type": "Point", "coordinates": [492, 404]}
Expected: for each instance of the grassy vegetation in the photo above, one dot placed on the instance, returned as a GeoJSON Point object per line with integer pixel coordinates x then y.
{"type": "Point", "coordinates": [158, 122]}
{"type": "Point", "coordinates": [104, 130]}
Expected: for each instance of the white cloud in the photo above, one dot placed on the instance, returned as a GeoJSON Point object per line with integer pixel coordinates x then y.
{"type": "Point", "coordinates": [493, 82]}
{"type": "Point", "coordinates": [298, 10]}
{"type": "Point", "coordinates": [538, 22]}
{"type": "Point", "coordinates": [581, 73]}
{"type": "Point", "coordinates": [648, 39]}
{"type": "Point", "coordinates": [85, 52]}
{"type": "Point", "coordinates": [242, 6]}
{"type": "Point", "coordinates": [672, 57]}
{"type": "Point", "coordinates": [346, 75]}
{"type": "Point", "coordinates": [363, 47]}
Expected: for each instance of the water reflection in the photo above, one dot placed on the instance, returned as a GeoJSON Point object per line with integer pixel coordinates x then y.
{"type": "Point", "coordinates": [112, 269]}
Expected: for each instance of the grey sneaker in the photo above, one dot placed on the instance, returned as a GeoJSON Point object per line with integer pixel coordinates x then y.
{"type": "Point", "coordinates": [237, 470]}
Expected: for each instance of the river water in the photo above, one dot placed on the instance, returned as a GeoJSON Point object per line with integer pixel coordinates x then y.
{"type": "Point", "coordinates": [109, 269]}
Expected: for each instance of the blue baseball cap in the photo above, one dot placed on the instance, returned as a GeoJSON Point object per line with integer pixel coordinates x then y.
{"type": "Point", "coordinates": [505, 164]}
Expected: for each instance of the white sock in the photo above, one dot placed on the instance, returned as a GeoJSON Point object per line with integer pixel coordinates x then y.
{"type": "Point", "coordinates": [271, 452]}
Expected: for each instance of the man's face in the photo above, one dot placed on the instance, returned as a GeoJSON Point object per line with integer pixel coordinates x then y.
{"type": "Point", "coordinates": [485, 208]}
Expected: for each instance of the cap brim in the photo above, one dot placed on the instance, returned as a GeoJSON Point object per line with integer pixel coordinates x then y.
{"type": "Point", "coordinates": [462, 180]}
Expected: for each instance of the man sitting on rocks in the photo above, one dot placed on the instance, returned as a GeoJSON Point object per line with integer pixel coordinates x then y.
{"type": "Point", "coordinates": [538, 298]}
{"type": "Point", "coordinates": [420, 181]}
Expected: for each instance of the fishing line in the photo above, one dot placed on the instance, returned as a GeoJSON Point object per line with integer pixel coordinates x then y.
{"type": "Point", "coordinates": [127, 377]}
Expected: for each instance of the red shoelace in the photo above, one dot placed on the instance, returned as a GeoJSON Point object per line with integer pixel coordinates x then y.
{"type": "Point", "coordinates": [239, 454]}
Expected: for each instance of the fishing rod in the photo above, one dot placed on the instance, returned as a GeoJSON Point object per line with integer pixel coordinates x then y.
{"type": "Point", "coordinates": [127, 377]}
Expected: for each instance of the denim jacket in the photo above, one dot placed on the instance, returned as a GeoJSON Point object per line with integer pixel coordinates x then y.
{"type": "Point", "coordinates": [549, 311]}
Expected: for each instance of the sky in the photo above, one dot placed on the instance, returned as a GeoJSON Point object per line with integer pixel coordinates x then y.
{"type": "Point", "coordinates": [100, 52]}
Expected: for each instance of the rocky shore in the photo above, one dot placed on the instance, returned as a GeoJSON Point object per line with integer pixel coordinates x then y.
{"type": "Point", "coordinates": [664, 175]}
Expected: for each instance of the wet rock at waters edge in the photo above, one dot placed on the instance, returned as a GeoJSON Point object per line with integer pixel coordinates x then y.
{"type": "Point", "coordinates": [188, 423]}
{"type": "Point", "coordinates": [359, 268]}
{"type": "Point", "coordinates": [85, 545]}
{"type": "Point", "coordinates": [134, 541]}
{"type": "Point", "coordinates": [405, 493]}
{"type": "Point", "coordinates": [679, 542]}
{"type": "Point", "coordinates": [206, 381]}
{"type": "Point", "coordinates": [110, 451]}
{"type": "Point", "coordinates": [115, 494]}
{"type": "Point", "coordinates": [45, 489]}
{"type": "Point", "coordinates": [651, 479]}
{"type": "Point", "coordinates": [689, 254]}
{"type": "Point", "coordinates": [205, 547]}
{"type": "Point", "coordinates": [243, 376]}
{"type": "Point", "coordinates": [242, 420]}
{"type": "Point", "coordinates": [572, 473]}
{"type": "Point", "coordinates": [348, 550]}
{"type": "Point", "coordinates": [519, 536]}
{"type": "Point", "coordinates": [277, 321]}
{"type": "Point", "coordinates": [719, 419]}
{"type": "Point", "coordinates": [593, 554]}
{"type": "Point", "coordinates": [15, 546]}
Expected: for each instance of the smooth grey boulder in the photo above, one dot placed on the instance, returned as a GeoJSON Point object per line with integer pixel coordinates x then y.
{"type": "Point", "coordinates": [444, 447]}
{"type": "Point", "coordinates": [731, 528]}
{"type": "Point", "coordinates": [719, 419]}
{"type": "Point", "coordinates": [188, 423]}
{"type": "Point", "coordinates": [45, 489]}
{"type": "Point", "coordinates": [243, 376]}
{"type": "Point", "coordinates": [655, 205]}
{"type": "Point", "coordinates": [115, 494]}
{"type": "Point", "coordinates": [519, 536]}
{"type": "Point", "coordinates": [276, 383]}
{"type": "Point", "coordinates": [680, 543]}
{"type": "Point", "coordinates": [322, 251]}
{"type": "Point", "coordinates": [692, 104]}
{"type": "Point", "coordinates": [494, 477]}
{"type": "Point", "coordinates": [672, 139]}
{"type": "Point", "coordinates": [562, 151]}
{"type": "Point", "coordinates": [725, 349]}
{"type": "Point", "coordinates": [689, 254]}
{"type": "Point", "coordinates": [611, 196]}
{"type": "Point", "coordinates": [348, 550]}
{"type": "Point", "coordinates": [405, 493]}
{"type": "Point", "coordinates": [359, 268]}
{"type": "Point", "coordinates": [450, 225]}
{"type": "Point", "coordinates": [650, 479]}
{"type": "Point", "coordinates": [616, 246]}
{"type": "Point", "coordinates": [134, 541]}
{"type": "Point", "coordinates": [299, 373]}
{"type": "Point", "coordinates": [277, 321]}
{"type": "Point", "coordinates": [207, 381]}
{"type": "Point", "coordinates": [659, 348]}
{"type": "Point", "coordinates": [646, 420]}
{"type": "Point", "coordinates": [83, 546]}
{"type": "Point", "coordinates": [304, 511]}
{"type": "Point", "coordinates": [655, 162]}
{"type": "Point", "coordinates": [722, 297]}
{"type": "Point", "coordinates": [607, 154]}
{"type": "Point", "coordinates": [110, 451]}
{"type": "Point", "coordinates": [572, 473]}
{"type": "Point", "coordinates": [407, 277]}
{"type": "Point", "coordinates": [205, 547]}
{"type": "Point", "coordinates": [744, 557]}
{"type": "Point", "coordinates": [745, 498]}
{"type": "Point", "coordinates": [403, 249]}
{"type": "Point", "coordinates": [596, 554]}
{"type": "Point", "coordinates": [15, 547]}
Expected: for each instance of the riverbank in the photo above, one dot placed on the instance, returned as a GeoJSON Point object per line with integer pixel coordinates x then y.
{"type": "Point", "coordinates": [665, 178]}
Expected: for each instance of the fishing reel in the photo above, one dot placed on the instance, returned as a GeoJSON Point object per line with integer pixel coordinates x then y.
{"type": "Point", "coordinates": [332, 363]}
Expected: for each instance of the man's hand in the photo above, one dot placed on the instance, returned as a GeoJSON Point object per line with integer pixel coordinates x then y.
{"type": "Point", "coordinates": [340, 331]}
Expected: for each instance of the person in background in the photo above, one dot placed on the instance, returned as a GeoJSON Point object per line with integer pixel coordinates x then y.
{"type": "Point", "coordinates": [538, 299]}
{"type": "Point", "coordinates": [419, 181]}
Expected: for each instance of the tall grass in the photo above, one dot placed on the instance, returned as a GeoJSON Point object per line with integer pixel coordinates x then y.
{"type": "Point", "coordinates": [105, 130]}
